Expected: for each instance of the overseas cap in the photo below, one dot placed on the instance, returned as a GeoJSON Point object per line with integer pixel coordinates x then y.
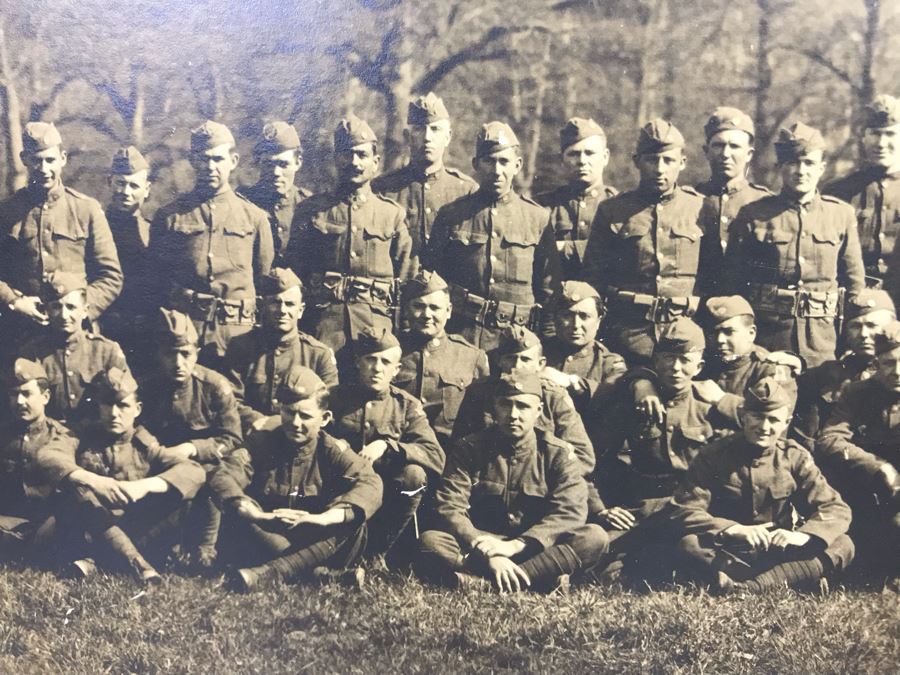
{"type": "Point", "coordinates": [127, 161]}
{"type": "Point", "coordinates": [799, 139]}
{"type": "Point", "coordinates": [277, 137]}
{"type": "Point", "coordinates": [682, 336]}
{"type": "Point", "coordinates": [425, 282]}
{"type": "Point", "coordinates": [426, 109]}
{"type": "Point", "coordinates": [889, 339]}
{"type": "Point", "coordinates": [515, 339]}
{"type": "Point", "coordinates": [768, 394]}
{"type": "Point", "coordinates": [866, 301]}
{"type": "Point", "coordinates": [727, 307]}
{"type": "Point", "coordinates": [277, 281]}
{"type": "Point", "coordinates": [883, 111]}
{"type": "Point", "coordinates": [494, 137]}
{"type": "Point", "coordinates": [657, 136]}
{"type": "Point", "coordinates": [352, 131]}
{"type": "Point", "coordinates": [577, 129]}
{"type": "Point", "coordinates": [210, 135]}
{"type": "Point", "coordinates": [39, 136]}
{"type": "Point", "coordinates": [724, 118]}
{"type": "Point", "coordinates": [516, 383]}
{"type": "Point", "coordinates": [113, 385]}
{"type": "Point", "coordinates": [371, 341]}
{"type": "Point", "coordinates": [299, 384]}
{"type": "Point", "coordinates": [23, 371]}
{"type": "Point", "coordinates": [176, 327]}
{"type": "Point", "coordinates": [573, 292]}
{"type": "Point", "coordinates": [60, 284]}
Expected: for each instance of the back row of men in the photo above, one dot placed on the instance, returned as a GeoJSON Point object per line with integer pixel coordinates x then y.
{"type": "Point", "coordinates": [535, 469]}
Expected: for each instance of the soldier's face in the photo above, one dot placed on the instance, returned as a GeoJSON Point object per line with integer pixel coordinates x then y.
{"type": "Point", "coordinates": [28, 401]}
{"type": "Point", "coordinates": [729, 153]}
{"type": "Point", "coordinates": [888, 369]}
{"type": "Point", "coordinates": [282, 312]}
{"type": "Point", "coordinates": [578, 325]}
{"type": "Point", "coordinates": [585, 160]}
{"type": "Point", "coordinates": [675, 371]}
{"type": "Point", "coordinates": [278, 171]}
{"type": "Point", "coordinates": [495, 172]}
{"type": "Point", "coordinates": [659, 170]}
{"type": "Point", "coordinates": [302, 420]}
{"type": "Point", "coordinates": [429, 314]}
{"type": "Point", "coordinates": [45, 167]}
{"type": "Point", "coordinates": [129, 192]}
{"type": "Point", "coordinates": [357, 166]}
{"type": "Point", "coordinates": [882, 146]}
{"type": "Point", "coordinates": [859, 333]}
{"type": "Point", "coordinates": [428, 142]}
{"type": "Point", "coordinates": [376, 371]}
{"type": "Point", "coordinates": [530, 360]}
{"type": "Point", "coordinates": [117, 417]}
{"type": "Point", "coordinates": [734, 337]}
{"type": "Point", "coordinates": [68, 313]}
{"type": "Point", "coordinates": [801, 175]}
{"type": "Point", "coordinates": [763, 428]}
{"type": "Point", "coordinates": [178, 362]}
{"type": "Point", "coordinates": [516, 416]}
{"type": "Point", "coordinates": [213, 167]}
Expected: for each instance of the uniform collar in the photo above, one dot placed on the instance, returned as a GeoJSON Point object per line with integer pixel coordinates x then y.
{"type": "Point", "coordinates": [652, 197]}
{"type": "Point", "coordinates": [218, 198]}
{"type": "Point", "coordinates": [51, 196]}
{"type": "Point", "coordinates": [422, 175]}
{"type": "Point", "coordinates": [795, 203]}
{"type": "Point", "coordinates": [524, 446]}
{"type": "Point", "coordinates": [729, 187]}
{"type": "Point", "coordinates": [359, 195]}
{"type": "Point", "coordinates": [36, 427]}
{"type": "Point", "coordinates": [488, 198]}
{"type": "Point", "coordinates": [580, 191]}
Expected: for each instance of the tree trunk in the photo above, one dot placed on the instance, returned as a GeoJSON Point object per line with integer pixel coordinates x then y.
{"type": "Point", "coordinates": [11, 121]}
{"type": "Point", "coordinates": [138, 106]}
{"type": "Point", "coordinates": [763, 87]}
{"type": "Point", "coordinates": [867, 79]}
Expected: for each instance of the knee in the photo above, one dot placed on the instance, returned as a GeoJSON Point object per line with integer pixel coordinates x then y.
{"type": "Point", "coordinates": [432, 541]}
{"type": "Point", "coordinates": [690, 546]}
{"type": "Point", "coordinates": [590, 542]}
{"type": "Point", "coordinates": [841, 552]}
{"type": "Point", "coordinates": [410, 477]}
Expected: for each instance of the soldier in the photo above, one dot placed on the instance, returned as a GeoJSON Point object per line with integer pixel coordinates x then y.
{"type": "Point", "coordinates": [70, 355]}
{"type": "Point", "coordinates": [213, 245]}
{"type": "Point", "coordinates": [794, 254]}
{"type": "Point", "coordinates": [582, 145]}
{"type": "Point", "coordinates": [645, 248]}
{"type": "Point", "coordinates": [296, 498]}
{"type": "Point", "coordinates": [389, 429]}
{"type": "Point", "coordinates": [511, 505]}
{"type": "Point", "coordinates": [47, 227]}
{"type": "Point", "coordinates": [257, 361]}
{"type": "Point", "coordinates": [350, 246]}
{"type": "Point", "coordinates": [119, 485]}
{"type": "Point", "coordinates": [436, 367]}
{"type": "Point", "coordinates": [859, 449]}
{"type": "Point", "coordinates": [820, 388]}
{"type": "Point", "coordinates": [874, 190]}
{"type": "Point", "coordinates": [424, 185]}
{"type": "Point", "coordinates": [729, 148]}
{"type": "Point", "coordinates": [738, 506]}
{"type": "Point", "coordinates": [494, 247]}
{"type": "Point", "coordinates": [279, 156]}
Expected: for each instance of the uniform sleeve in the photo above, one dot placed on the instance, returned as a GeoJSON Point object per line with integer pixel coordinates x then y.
{"type": "Point", "coordinates": [263, 248]}
{"type": "Point", "coordinates": [432, 256]}
{"type": "Point", "coordinates": [326, 367]}
{"type": "Point", "coordinates": [185, 475]}
{"type": "Point", "coordinates": [232, 475]}
{"type": "Point", "coordinates": [599, 253]}
{"type": "Point", "coordinates": [482, 368]}
{"type": "Point", "coordinates": [692, 499]}
{"type": "Point", "coordinates": [104, 273]}
{"type": "Point", "coordinates": [454, 493]}
{"type": "Point", "coordinates": [710, 267]}
{"type": "Point", "coordinates": [734, 276]}
{"type": "Point", "coordinates": [569, 427]}
{"type": "Point", "coordinates": [827, 516]}
{"type": "Point", "coordinates": [613, 369]}
{"type": "Point", "coordinates": [418, 443]}
{"type": "Point", "coordinates": [56, 459]}
{"type": "Point", "coordinates": [365, 489]}
{"type": "Point", "coordinates": [160, 254]}
{"type": "Point", "coordinates": [566, 501]}
{"type": "Point", "coordinates": [472, 409]}
{"type": "Point", "coordinates": [851, 269]}
{"type": "Point", "coordinates": [835, 443]}
{"type": "Point", "coordinates": [401, 250]}
{"type": "Point", "coordinates": [547, 273]}
{"type": "Point", "coordinates": [224, 429]}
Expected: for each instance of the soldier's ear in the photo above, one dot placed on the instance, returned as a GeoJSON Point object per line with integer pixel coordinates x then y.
{"type": "Point", "coordinates": [327, 417]}
{"type": "Point", "coordinates": [449, 310]}
{"type": "Point", "coordinates": [139, 406]}
{"type": "Point", "coordinates": [45, 396]}
{"type": "Point", "coordinates": [63, 157]}
{"type": "Point", "coordinates": [235, 158]}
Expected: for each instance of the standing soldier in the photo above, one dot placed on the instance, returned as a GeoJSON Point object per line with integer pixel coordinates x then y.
{"type": "Point", "coordinates": [874, 191]}
{"type": "Point", "coordinates": [646, 246]}
{"type": "Point", "coordinates": [729, 149]}
{"type": "Point", "coordinates": [582, 144]}
{"type": "Point", "coordinates": [212, 244]}
{"type": "Point", "coordinates": [795, 254]}
{"type": "Point", "coordinates": [47, 227]}
{"type": "Point", "coordinates": [494, 247]}
{"type": "Point", "coordinates": [279, 156]}
{"type": "Point", "coordinates": [424, 185]}
{"type": "Point", "coordinates": [350, 246]}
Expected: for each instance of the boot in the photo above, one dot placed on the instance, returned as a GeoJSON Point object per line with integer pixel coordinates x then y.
{"type": "Point", "coordinates": [124, 550]}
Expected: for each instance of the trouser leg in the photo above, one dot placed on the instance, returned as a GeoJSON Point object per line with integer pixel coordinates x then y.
{"type": "Point", "coordinates": [580, 548]}
{"type": "Point", "coordinates": [336, 546]}
{"type": "Point", "coordinates": [439, 558]}
{"type": "Point", "coordinates": [403, 491]}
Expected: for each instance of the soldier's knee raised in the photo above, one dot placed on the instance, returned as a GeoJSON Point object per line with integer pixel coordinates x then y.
{"type": "Point", "coordinates": [410, 477]}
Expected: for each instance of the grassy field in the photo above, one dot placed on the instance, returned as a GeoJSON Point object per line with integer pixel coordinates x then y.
{"type": "Point", "coordinates": [397, 625]}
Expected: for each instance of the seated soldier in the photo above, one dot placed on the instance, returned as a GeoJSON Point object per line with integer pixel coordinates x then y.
{"type": "Point", "coordinates": [390, 430]}
{"type": "Point", "coordinates": [512, 504]}
{"type": "Point", "coordinates": [26, 522]}
{"type": "Point", "coordinates": [192, 410]}
{"type": "Point", "coordinates": [71, 356]}
{"type": "Point", "coordinates": [859, 450]}
{"type": "Point", "coordinates": [257, 361]}
{"type": "Point", "coordinates": [436, 367]}
{"type": "Point", "coordinates": [738, 506]}
{"type": "Point", "coordinates": [296, 498]}
{"type": "Point", "coordinates": [119, 485]}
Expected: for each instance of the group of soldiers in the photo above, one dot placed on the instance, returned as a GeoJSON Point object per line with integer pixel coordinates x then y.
{"type": "Point", "coordinates": [439, 373]}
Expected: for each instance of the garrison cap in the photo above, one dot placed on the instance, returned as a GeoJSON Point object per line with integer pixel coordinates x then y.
{"type": "Point", "coordinates": [889, 339]}
{"type": "Point", "coordinates": [494, 137]}
{"type": "Point", "coordinates": [573, 292]}
{"type": "Point", "coordinates": [60, 284]}
{"type": "Point", "coordinates": [424, 283]}
{"type": "Point", "coordinates": [724, 118]}
{"type": "Point", "coordinates": [39, 136]}
{"type": "Point", "coordinates": [866, 301]}
{"type": "Point", "coordinates": [127, 161]}
{"type": "Point", "coordinates": [799, 139]}
{"type": "Point", "coordinates": [516, 383]}
{"type": "Point", "coordinates": [299, 384]}
{"type": "Point", "coordinates": [682, 336]}
{"type": "Point", "coordinates": [277, 137]}
{"type": "Point", "coordinates": [658, 135]}
{"type": "Point", "coordinates": [726, 307]}
{"type": "Point", "coordinates": [883, 111]}
{"type": "Point", "coordinates": [372, 341]}
{"type": "Point", "coordinates": [515, 339]}
{"type": "Point", "coordinates": [176, 328]}
{"type": "Point", "coordinates": [23, 371]}
{"type": "Point", "coordinates": [278, 280]}
{"type": "Point", "coordinates": [210, 135]}
{"type": "Point", "coordinates": [426, 109]}
{"type": "Point", "coordinates": [577, 129]}
{"type": "Point", "coordinates": [352, 131]}
{"type": "Point", "coordinates": [768, 394]}
{"type": "Point", "coordinates": [113, 385]}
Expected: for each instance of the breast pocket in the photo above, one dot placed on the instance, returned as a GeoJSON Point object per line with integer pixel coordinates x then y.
{"type": "Point", "coordinates": [70, 241]}
{"type": "Point", "coordinates": [452, 391]}
{"type": "Point", "coordinates": [239, 244]}
{"type": "Point", "coordinates": [465, 248]}
{"type": "Point", "coordinates": [378, 251]}
{"type": "Point", "coordinates": [826, 244]}
{"type": "Point", "coordinates": [694, 437]}
{"type": "Point", "coordinates": [518, 251]}
{"type": "Point", "coordinates": [686, 236]}
{"type": "Point", "coordinates": [327, 237]}
{"type": "Point", "coordinates": [634, 244]}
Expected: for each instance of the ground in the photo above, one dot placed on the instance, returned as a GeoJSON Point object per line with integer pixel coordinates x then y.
{"type": "Point", "coordinates": [397, 625]}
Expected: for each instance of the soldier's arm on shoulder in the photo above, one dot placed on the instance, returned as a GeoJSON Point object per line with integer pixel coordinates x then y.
{"type": "Point", "coordinates": [827, 516]}
{"type": "Point", "coordinates": [104, 272]}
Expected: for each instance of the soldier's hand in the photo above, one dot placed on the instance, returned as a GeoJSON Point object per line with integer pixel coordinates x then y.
{"type": "Point", "coordinates": [374, 450]}
{"type": "Point", "coordinates": [508, 576]}
{"type": "Point", "coordinates": [618, 518]}
{"type": "Point", "coordinates": [32, 307]}
{"type": "Point", "coordinates": [490, 546]}
{"type": "Point", "coordinates": [184, 450]}
{"type": "Point", "coordinates": [266, 423]}
{"type": "Point", "coordinates": [135, 489]}
{"type": "Point", "coordinates": [108, 490]}
{"type": "Point", "coordinates": [887, 474]}
{"type": "Point", "coordinates": [248, 509]}
{"type": "Point", "coordinates": [291, 517]}
{"type": "Point", "coordinates": [647, 402]}
{"type": "Point", "coordinates": [787, 366]}
{"type": "Point", "coordinates": [708, 391]}
{"type": "Point", "coordinates": [784, 538]}
{"type": "Point", "coordinates": [757, 537]}
{"type": "Point", "coordinates": [557, 377]}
